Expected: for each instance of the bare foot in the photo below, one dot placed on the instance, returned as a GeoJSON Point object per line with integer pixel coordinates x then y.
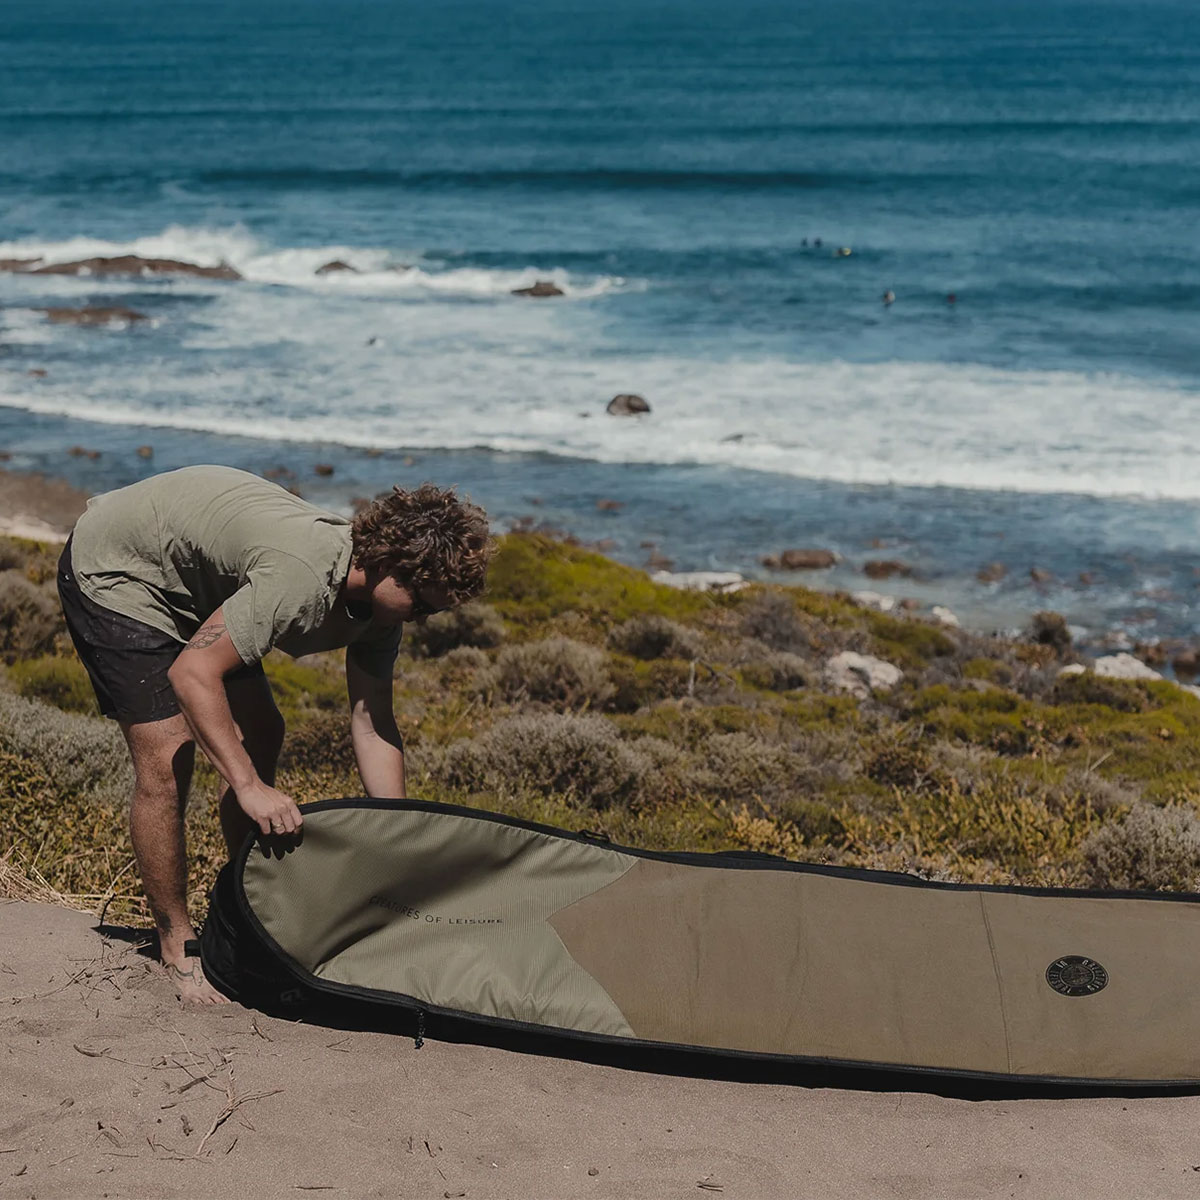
{"type": "Point", "coordinates": [190, 984]}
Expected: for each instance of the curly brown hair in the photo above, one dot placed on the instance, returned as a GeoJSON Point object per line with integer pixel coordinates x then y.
{"type": "Point", "coordinates": [425, 537]}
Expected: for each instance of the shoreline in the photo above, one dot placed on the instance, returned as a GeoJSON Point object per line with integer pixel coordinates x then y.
{"type": "Point", "coordinates": [39, 504]}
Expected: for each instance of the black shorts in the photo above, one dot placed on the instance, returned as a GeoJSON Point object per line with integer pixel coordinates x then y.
{"type": "Point", "coordinates": [126, 660]}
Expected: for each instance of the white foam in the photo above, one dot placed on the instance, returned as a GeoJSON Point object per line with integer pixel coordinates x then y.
{"type": "Point", "coordinates": [347, 358]}
{"type": "Point", "coordinates": [916, 424]}
{"type": "Point", "coordinates": [24, 327]}
{"type": "Point", "coordinates": [375, 269]}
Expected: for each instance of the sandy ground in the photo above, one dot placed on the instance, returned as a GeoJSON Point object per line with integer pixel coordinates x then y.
{"type": "Point", "coordinates": [109, 1089]}
{"type": "Point", "coordinates": [36, 507]}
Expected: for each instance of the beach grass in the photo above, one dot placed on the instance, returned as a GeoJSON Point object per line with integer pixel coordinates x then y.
{"type": "Point", "coordinates": [582, 694]}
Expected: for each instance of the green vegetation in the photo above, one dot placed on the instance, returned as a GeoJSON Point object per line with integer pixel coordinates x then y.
{"type": "Point", "coordinates": [584, 695]}
{"type": "Point", "coordinates": [56, 679]}
{"type": "Point", "coordinates": [534, 580]}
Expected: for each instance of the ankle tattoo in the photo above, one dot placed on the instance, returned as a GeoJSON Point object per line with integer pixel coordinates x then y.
{"type": "Point", "coordinates": [193, 974]}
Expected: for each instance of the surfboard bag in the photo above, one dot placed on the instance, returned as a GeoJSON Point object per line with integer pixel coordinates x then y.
{"type": "Point", "coordinates": [458, 913]}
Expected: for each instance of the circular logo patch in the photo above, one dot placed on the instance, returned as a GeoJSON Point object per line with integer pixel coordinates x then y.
{"type": "Point", "coordinates": [1074, 975]}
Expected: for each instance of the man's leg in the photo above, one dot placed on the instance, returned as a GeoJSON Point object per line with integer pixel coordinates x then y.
{"type": "Point", "coordinates": [260, 723]}
{"type": "Point", "coordinates": [163, 754]}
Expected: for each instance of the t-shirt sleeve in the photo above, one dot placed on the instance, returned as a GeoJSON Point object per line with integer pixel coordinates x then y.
{"type": "Point", "coordinates": [279, 597]}
{"type": "Point", "coordinates": [375, 652]}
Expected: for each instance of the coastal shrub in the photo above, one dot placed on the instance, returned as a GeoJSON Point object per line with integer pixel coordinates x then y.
{"type": "Point", "coordinates": [1000, 823]}
{"type": "Point", "coordinates": [533, 578]}
{"type": "Point", "coordinates": [832, 762]}
{"type": "Point", "coordinates": [901, 764]}
{"type": "Point", "coordinates": [1151, 848]}
{"type": "Point", "coordinates": [1102, 795]}
{"type": "Point", "coordinates": [652, 636]}
{"type": "Point", "coordinates": [772, 617]}
{"type": "Point", "coordinates": [1122, 695]}
{"type": "Point", "coordinates": [830, 611]}
{"type": "Point", "coordinates": [22, 780]}
{"type": "Point", "coordinates": [637, 684]}
{"type": "Point", "coordinates": [686, 722]}
{"type": "Point", "coordinates": [989, 670]}
{"type": "Point", "coordinates": [55, 679]}
{"type": "Point", "coordinates": [558, 671]}
{"type": "Point", "coordinates": [1050, 629]}
{"type": "Point", "coordinates": [30, 618]}
{"type": "Point", "coordinates": [555, 753]}
{"type": "Point", "coordinates": [668, 825]}
{"type": "Point", "coordinates": [303, 688]}
{"type": "Point", "coordinates": [1156, 751]}
{"type": "Point", "coordinates": [738, 767]}
{"type": "Point", "coordinates": [996, 718]}
{"type": "Point", "coordinates": [823, 712]}
{"type": "Point", "coordinates": [765, 834]}
{"type": "Point", "coordinates": [1036, 655]}
{"type": "Point", "coordinates": [37, 561]}
{"type": "Point", "coordinates": [474, 624]}
{"type": "Point", "coordinates": [80, 755]}
{"type": "Point", "coordinates": [75, 842]}
{"type": "Point", "coordinates": [817, 822]}
{"type": "Point", "coordinates": [944, 670]}
{"type": "Point", "coordinates": [11, 557]}
{"type": "Point", "coordinates": [320, 742]}
{"type": "Point", "coordinates": [461, 666]}
{"type": "Point", "coordinates": [910, 644]}
{"type": "Point", "coordinates": [778, 671]}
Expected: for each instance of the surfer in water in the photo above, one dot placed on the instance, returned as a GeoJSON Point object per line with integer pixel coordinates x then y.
{"type": "Point", "coordinates": [176, 587]}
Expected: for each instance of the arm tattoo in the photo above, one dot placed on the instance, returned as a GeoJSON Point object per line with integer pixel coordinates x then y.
{"type": "Point", "coordinates": [203, 638]}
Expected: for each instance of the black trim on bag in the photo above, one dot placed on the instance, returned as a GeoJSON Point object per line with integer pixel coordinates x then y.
{"type": "Point", "coordinates": [418, 1007]}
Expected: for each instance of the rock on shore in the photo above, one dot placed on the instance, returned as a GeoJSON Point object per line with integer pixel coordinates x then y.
{"type": "Point", "coordinates": [627, 405]}
{"type": "Point", "coordinates": [542, 288]}
{"type": "Point", "coordinates": [800, 560]}
{"type": "Point", "coordinates": [133, 264]}
{"type": "Point", "coordinates": [94, 315]}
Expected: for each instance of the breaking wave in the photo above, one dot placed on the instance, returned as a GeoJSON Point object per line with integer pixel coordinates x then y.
{"type": "Point", "coordinates": [373, 269]}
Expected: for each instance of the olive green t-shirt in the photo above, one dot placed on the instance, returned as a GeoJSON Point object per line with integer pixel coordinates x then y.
{"type": "Point", "coordinates": [170, 550]}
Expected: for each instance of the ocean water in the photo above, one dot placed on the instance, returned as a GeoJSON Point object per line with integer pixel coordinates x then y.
{"type": "Point", "coordinates": [687, 174]}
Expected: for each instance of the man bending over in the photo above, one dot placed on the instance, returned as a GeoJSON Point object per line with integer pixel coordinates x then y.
{"type": "Point", "coordinates": [176, 587]}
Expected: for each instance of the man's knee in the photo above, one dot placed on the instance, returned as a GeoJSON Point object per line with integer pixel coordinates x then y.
{"type": "Point", "coordinates": [168, 777]}
{"type": "Point", "coordinates": [163, 755]}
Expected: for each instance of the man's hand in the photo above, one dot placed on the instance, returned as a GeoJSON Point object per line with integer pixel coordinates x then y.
{"type": "Point", "coordinates": [270, 809]}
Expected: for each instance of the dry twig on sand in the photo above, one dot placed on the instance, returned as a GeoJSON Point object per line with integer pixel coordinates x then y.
{"type": "Point", "coordinates": [232, 1104]}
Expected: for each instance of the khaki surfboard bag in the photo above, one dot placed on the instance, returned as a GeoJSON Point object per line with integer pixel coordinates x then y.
{"type": "Point", "coordinates": [463, 916]}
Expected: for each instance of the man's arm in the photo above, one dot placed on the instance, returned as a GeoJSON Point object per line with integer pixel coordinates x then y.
{"type": "Point", "coordinates": [378, 747]}
{"type": "Point", "coordinates": [198, 678]}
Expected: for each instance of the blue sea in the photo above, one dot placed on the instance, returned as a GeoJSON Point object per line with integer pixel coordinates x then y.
{"type": "Point", "coordinates": [723, 193]}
